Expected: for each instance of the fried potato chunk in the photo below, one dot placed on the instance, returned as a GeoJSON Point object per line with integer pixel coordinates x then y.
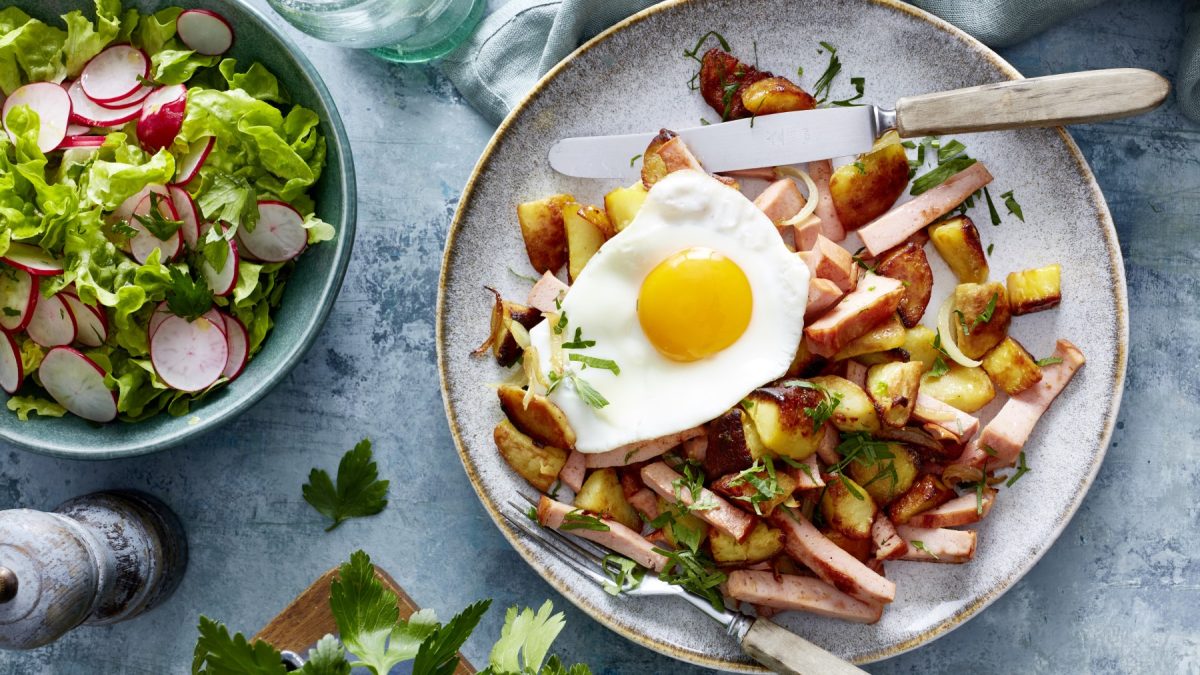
{"type": "Point", "coordinates": [865, 189]}
{"type": "Point", "coordinates": [983, 317]}
{"type": "Point", "coordinates": [723, 78]}
{"type": "Point", "coordinates": [541, 420]}
{"type": "Point", "coordinates": [775, 95]}
{"type": "Point", "coordinates": [602, 493]}
{"type": "Point", "coordinates": [1035, 290]}
{"type": "Point", "coordinates": [957, 241]}
{"type": "Point", "coordinates": [763, 543]}
{"type": "Point", "coordinates": [1011, 367]}
{"type": "Point", "coordinates": [539, 464]}
{"type": "Point", "coordinates": [848, 508]}
{"type": "Point", "coordinates": [967, 389]}
{"type": "Point", "coordinates": [622, 204]}
{"type": "Point", "coordinates": [909, 264]}
{"type": "Point", "coordinates": [542, 228]}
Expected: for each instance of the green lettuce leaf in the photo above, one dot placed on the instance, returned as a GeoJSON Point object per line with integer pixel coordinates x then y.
{"type": "Point", "coordinates": [257, 81]}
{"type": "Point", "coordinates": [111, 182]}
{"type": "Point", "coordinates": [24, 405]}
{"type": "Point", "coordinates": [56, 203]}
{"type": "Point", "coordinates": [176, 66]}
{"type": "Point", "coordinates": [85, 39]}
{"type": "Point", "coordinates": [155, 31]}
{"type": "Point", "coordinates": [30, 51]}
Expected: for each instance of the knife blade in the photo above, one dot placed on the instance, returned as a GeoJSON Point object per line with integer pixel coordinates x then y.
{"type": "Point", "coordinates": [770, 140]}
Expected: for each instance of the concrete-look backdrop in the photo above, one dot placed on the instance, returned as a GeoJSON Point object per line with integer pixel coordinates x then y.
{"type": "Point", "coordinates": [1117, 594]}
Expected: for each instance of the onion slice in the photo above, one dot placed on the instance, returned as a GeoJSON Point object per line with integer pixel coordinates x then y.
{"type": "Point", "coordinates": [948, 343]}
{"type": "Point", "coordinates": [810, 199]}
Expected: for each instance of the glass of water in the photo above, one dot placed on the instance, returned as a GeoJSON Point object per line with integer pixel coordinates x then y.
{"type": "Point", "coordinates": [404, 31]}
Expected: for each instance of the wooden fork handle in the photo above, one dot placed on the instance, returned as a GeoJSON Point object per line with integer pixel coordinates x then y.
{"type": "Point", "coordinates": [1069, 98]}
{"type": "Point", "coordinates": [784, 652]}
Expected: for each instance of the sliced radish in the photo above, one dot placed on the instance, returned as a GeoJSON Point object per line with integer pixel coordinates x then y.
{"type": "Point", "coordinates": [53, 323]}
{"type": "Point", "coordinates": [125, 210]}
{"type": "Point", "coordinates": [18, 298]}
{"type": "Point", "coordinates": [135, 98]}
{"type": "Point", "coordinates": [239, 346]}
{"type": "Point", "coordinates": [77, 383]}
{"type": "Point", "coordinates": [214, 317]}
{"type": "Point", "coordinates": [189, 355]}
{"type": "Point", "coordinates": [160, 314]}
{"type": "Point", "coordinates": [86, 111]}
{"type": "Point", "coordinates": [53, 107]}
{"type": "Point", "coordinates": [91, 322]}
{"type": "Point", "coordinates": [77, 129]}
{"type": "Point", "coordinates": [32, 259]}
{"type": "Point", "coordinates": [162, 117]}
{"type": "Point", "coordinates": [204, 32]}
{"type": "Point", "coordinates": [144, 242]}
{"type": "Point", "coordinates": [115, 73]}
{"type": "Point", "coordinates": [81, 142]}
{"type": "Point", "coordinates": [223, 281]}
{"type": "Point", "coordinates": [186, 209]}
{"type": "Point", "coordinates": [189, 165]}
{"type": "Point", "coordinates": [12, 369]}
{"type": "Point", "coordinates": [279, 234]}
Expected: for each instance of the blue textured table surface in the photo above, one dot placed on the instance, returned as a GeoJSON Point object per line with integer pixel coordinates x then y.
{"type": "Point", "coordinates": [1118, 592]}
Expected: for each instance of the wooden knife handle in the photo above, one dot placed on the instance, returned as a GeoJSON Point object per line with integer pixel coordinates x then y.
{"type": "Point", "coordinates": [784, 652]}
{"type": "Point", "coordinates": [1069, 98]}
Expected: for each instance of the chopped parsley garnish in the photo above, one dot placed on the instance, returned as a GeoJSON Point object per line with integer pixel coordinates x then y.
{"type": "Point", "coordinates": [122, 228]}
{"type": "Point", "coordinates": [858, 83]}
{"type": "Point", "coordinates": [980, 486]}
{"type": "Point", "coordinates": [704, 122]}
{"type": "Point", "coordinates": [358, 491]}
{"type": "Point", "coordinates": [939, 364]}
{"type": "Point", "coordinates": [692, 479]}
{"type": "Point", "coordinates": [694, 52]}
{"type": "Point", "coordinates": [986, 315]}
{"type": "Point", "coordinates": [1022, 469]}
{"type": "Point", "coordinates": [1013, 207]}
{"type": "Point", "coordinates": [920, 546]}
{"type": "Point", "coordinates": [624, 574]}
{"type": "Point", "coordinates": [992, 212]}
{"type": "Point", "coordinates": [990, 248]}
{"type": "Point", "coordinates": [861, 169]}
{"type": "Point", "coordinates": [940, 174]}
{"type": "Point", "coordinates": [523, 277]}
{"type": "Point", "coordinates": [186, 297]}
{"type": "Point", "coordinates": [579, 342]}
{"type": "Point", "coordinates": [595, 362]}
{"type": "Point", "coordinates": [857, 258]}
{"type": "Point", "coordinates": [588, 393]}
{"type": "Point", "coordinates": [156, 223]}
{"type": "Point", "coordinates": [860, 447]}
{"type": "Point", "coordinates": [9, 311]}
{"type": "Point", "coordinates": [578, 520]}
{"type": "Point", "coordinates": [989, 450]}
{"type": "Point", "coordinates": [821, 88]}
{"type": "Point", "coordinates": [766, 487]}
{"type": "Point", "coordinates": [950, 150]}
{"type": "Point", "coordinates": [561, 324]}
{"type": "Point", "coordinates": [881, 389]}
{"type": "Point", "coordinates": [694, 572]}
{"type": "Point", "coordinates": [1048, 361]}
{"type": "Point", "coordinates": [532, 514]}
{"type": "Point", "coordinates": [634, 158]}
{"type": "Point", "coordinates": [823, 411]}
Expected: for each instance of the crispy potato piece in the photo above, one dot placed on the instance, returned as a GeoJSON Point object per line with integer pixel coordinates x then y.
{"type": "Point", "coordinates": [542, 227]}
{"type": "Point", "coordinates": [918, 344]}
{"type": "Point", "coordinates": [848, 508]}
{"type": "Point", "coordinates": [805, 362]}
{"type": "Point", "coordinates": [983, 317]}
{"type": "Point", "coordinates": [622, 204]}
{"type": "Point", "coordinates": [893, 389]}
{"type": "Point", "coordinates": [598, 217]}
{"type": "Point", "coordinates": [859, 548]}
{"type": "Point", "coordinates": [909, 264]}
{"type": "Point", "coordinates": [866, 189]}
{"type": "Point", "coordinates": [855, 411]}
{"type": "Point", "coordinates": [957, 240]}
{"type": "Point", "coordinates": [541, 420]}
{"type": "Point", "coordinates": [602, 493]}
{"type": "Point", "coordinates": [763, 543]}
{"type": "Point", "coordinates": [728, 450]}
{"type": "Point", "coordinates": [926, 493]}
{"type": "Point", "coordinates": [967, 389]}
{"type": "Point", "coordinates": [1035, 290]}
{"type": "Point", "coordinates": [780, 420]}
{"type": "Point", "coordinates": [1011, 367]}
{"type": "Point", "coordinates": [504, 346]}
{"type": "Point", "coordinates": [775, 95]}
{"type": "Point", "coordinates": [723, 78]}
{"type": "Point", "coordinates": [539, 464]}
{"type": "Point", "coordinates": [884, 337]}
{"type": "Point", "coordinates": [654, 167]}
{"type": "Point", "coordinates": [898, 473]}
{"type": "Point", "coordinates": [741, 493]}
{"type": "Point", "coordinates": [683, 526]}
{"type": "Point", "coordinates": [584, 238]}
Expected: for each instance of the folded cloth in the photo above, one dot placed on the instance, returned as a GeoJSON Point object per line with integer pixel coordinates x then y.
{"type": "Point", "coordinates": [523, 39]}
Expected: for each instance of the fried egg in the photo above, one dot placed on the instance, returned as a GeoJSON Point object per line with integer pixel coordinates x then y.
{"type": "Point", "coordinates": [676, 318]}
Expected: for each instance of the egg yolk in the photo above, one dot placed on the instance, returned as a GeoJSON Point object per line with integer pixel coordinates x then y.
{"type": "Point", "coordinates": [694, 304]}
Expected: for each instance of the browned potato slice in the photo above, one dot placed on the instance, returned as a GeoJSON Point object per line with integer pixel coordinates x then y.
{"type": "Point", "coordinates": [982, 317]}
{"type": "Point", "coordinates": [500, 339]}
{"type": "Point", "coordinates": [602, 493]}
{"type": "Point", "coordinates": [763, 543]}
{"type": "Point", "coordinates": [859, 548]}
{"type": "Point", "coordinates": [887, 478]}
{"type": "Point", "coordinates": [805, 362]}
{"type": "Point", "coordinates": [542, 227]}
{"type": "Point", "coordinates": [927, 492]}
{"type": "Point", "coordinates": [909, 264]}
{"type": "Point", "coordinates": [854, 412]}
{"type": "Point", "coordinates": [539, 464]}
{"type": "Point", "coordinates": [967, 389]}
{"type": "Point", "coordinates": [584, 238]}
{"type": "Point", "coordinates": [893, 389]}
{"type": "Point", "coordinates": [1011, 367]}
{"type": "Point", "coordinates": [957, 241]}
{"type": "Point", "coordinates": [653, 165]}
{"type": "Point", "coordinates": [742, 493]}
{"type": "Point", "coordinates": [541, 420]}
{"type": "Point", "coordinates": [780, 419]}
{"type": "Point", "coordinates": [681, 527]}
{"type": "Point", "coordinates": [866, 189]}
{"type": "Point", "coordinates": [598, 217]}
{"type": "Point", "coordinates": [848, 508]}
{"type": "Point", "coordinates": [1036, 289]}
{"type": "Point", "coordinates": [883, 337]}
{"type": "Point", "coordinates": [722, 79]}
{"type": "Point", "coordinates": [728, 449]}
{"type": "Point", "coordinates": [918, 344]}
{"type": "Point", "coordinates": [622, 204]}
{"type": "Point", "coordinates": [775, 95]}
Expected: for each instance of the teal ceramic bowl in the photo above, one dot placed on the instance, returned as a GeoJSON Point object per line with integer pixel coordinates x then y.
{"type": "Point", "coordinates": [310, 292]}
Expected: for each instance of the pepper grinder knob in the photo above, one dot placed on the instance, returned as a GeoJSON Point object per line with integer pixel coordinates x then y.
{"type": "Point", "coordinates": [95, 560]}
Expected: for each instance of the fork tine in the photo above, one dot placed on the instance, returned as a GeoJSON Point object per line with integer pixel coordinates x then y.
{"type": "Point", "coordinates": [554, 545]}
{"type": "Point", "coordinates": [586, 548]}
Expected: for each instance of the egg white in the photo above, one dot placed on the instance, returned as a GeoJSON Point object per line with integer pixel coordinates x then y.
{"type": "Point", "coordinates": [654, 396]}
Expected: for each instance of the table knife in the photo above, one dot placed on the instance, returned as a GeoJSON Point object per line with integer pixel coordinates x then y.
{"type": "Point", "coordinates": [823, 133]}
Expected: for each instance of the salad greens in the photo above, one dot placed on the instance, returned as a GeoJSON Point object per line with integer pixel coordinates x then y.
{"type": "Point", "coordinates": [62, 201]}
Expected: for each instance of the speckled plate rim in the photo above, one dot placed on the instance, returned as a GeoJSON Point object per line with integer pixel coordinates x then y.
{"type": "Point", "coordinates": [343, 243]}
{"type": "Point", "coordinates": [1121, 328]}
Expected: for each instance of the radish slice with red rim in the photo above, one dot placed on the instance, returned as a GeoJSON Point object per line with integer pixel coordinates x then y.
{"type": "Point", "coordinates": [222, 281]}
{"type": "Point", "coordinates": [185, 208]}
{"type": "Point", "coordinates": [18, 298]}
{"type": "Point", "coordinates": [204, 32]}
{"type": "Point", "coordinates": [86, 111]}
{"type": "Point", "coordinates": [162, 117]}
{"type": "Point", "coordinates": [32, 259]}
{"type": "Point", "coordinates": [91, 323]}
{"type": "Point", "coordinates": [77, 129]}
{"type": "Point", "coordinates": [115, 73]}
{"type": "Point", "coordinates": [239, 346]}
{"type": "Point", "coordinates": [81, 142]}
{"type": "Point", "coordinates": [125, 210]}
{"type": "Point", "coordinates": [189, 355]}
{"type": "Point", "coordinates": [53, 322]}
{"type": "Point", "coordinates": [144, 242]}
{"type": "Point", "coordinates": [12, 368]}
{"type": "Point", "coordinates": [77, 383]}
{"type": "Point", "coordinates": [188, 166]}
{"type": "Point", "coordinates": [160, 314]}
{"type": "Point", "coordinates": [135, 98]}
{"type": "Point", "coordinates": [53, 107]}
{"type": "Point", "coordinates": [279, 234]}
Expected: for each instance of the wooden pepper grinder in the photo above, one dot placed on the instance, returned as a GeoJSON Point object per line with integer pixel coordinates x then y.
{"type": "Point", "coordinates": [95, 560]}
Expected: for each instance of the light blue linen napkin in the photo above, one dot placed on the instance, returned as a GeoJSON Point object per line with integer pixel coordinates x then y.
{"type": "Point", "coordinates": [523, 39]}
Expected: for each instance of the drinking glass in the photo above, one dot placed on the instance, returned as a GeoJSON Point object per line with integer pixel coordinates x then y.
{"type": "Point", "coordinates": [403, 31]}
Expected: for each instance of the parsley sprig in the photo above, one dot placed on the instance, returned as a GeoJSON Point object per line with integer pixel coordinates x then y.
{"type": "Point", "coordinates": [762, 479]}
{"type": "Point", "coordinates": [695, 572]}
{"type": "Point", "coordinates": [624, 574]}
{"type": "Point", "coordinates": [162, 227]}
{"type": "Point", "coordinates": [357, 493]}
{"type": "Point", "coordinates": [187, 297]}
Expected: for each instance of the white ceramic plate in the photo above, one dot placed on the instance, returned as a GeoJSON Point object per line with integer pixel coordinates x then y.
{"type": "Point", "coordinates": [634, 78]}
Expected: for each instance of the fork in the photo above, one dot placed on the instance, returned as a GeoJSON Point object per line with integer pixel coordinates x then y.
{"type": "Point", "coordinates": [762, 639]}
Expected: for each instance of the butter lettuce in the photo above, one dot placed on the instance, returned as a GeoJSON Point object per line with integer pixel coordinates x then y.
{"type": "Point", "coordinates": [30, 51]}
